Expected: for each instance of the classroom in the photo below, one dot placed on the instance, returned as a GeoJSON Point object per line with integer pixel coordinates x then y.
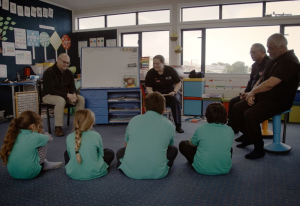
{"type": "Point", "coordinates": [108, 48]}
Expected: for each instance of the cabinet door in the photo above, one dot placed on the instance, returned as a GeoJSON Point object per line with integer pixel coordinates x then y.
{"type": "Point", "coordinates": [89, 103]}
{"type": "Point", "coordinates": [94, 94]}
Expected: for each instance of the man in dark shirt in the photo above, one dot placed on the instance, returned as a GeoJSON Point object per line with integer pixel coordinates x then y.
{"type": "Point", "coordinates": [273, 93]}
{"type": "Point", "coordinates": [165, 79]}
{"type": "Point", "coordinates": [59, 89]}
{"type": "Point", "coordinates": [258, 54]}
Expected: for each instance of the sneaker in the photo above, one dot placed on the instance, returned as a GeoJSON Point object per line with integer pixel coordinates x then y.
{"type": "Point", "coordinates": [58, 131]}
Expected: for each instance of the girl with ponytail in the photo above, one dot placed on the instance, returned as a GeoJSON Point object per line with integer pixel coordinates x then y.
{"type": "Point", "coordinates": [24, 148]}
{"type": "Point", "coordinates": [85, 157]}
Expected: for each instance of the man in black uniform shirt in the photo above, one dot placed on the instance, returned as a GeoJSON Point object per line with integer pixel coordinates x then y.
{"type": "Point", "coordinates": [162, 78]}
{"type": "Point", "coordinates": [273, 93]}
{"type": "Point", "coordinates": [258, 54]}
{"type": "Point", "coordinates": [59, 88]}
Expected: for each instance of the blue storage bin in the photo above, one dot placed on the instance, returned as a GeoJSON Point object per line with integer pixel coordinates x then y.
{"type": "Point", "coordinates": [192, 107]}
{"type": "Point", "coordinates": [193, 87]}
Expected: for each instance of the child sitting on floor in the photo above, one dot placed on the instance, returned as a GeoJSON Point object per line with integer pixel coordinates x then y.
{"type": "Point", "coordinates": [209, 150]}
{"type": "Point", "coordinates": [85, 158]}
{"type": "Point", "coordinates": [148, 151]}
{"type": "Point", "coordinates": [24, 148]}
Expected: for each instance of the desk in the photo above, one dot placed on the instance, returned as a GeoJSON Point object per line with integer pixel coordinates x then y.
{"type": "Point", "coordinates": [13, 85]}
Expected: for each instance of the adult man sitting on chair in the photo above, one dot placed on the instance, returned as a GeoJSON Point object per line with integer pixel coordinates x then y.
{"type": "Point", "coordinates": [59, 89]}
{"type": "Point", "coordinates": [274, 93]}
{"type": "Point", "coordinates": [258, 54]}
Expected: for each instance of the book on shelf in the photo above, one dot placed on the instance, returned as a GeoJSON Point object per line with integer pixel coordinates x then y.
{"type": "Point", "coordinates": [113, 109]}
{"type": "Point", "coordinates": [124, 98]}
{"type": "Point", "coordinates": [144, 67]}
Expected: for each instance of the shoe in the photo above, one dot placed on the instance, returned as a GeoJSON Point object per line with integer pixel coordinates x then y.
{"type": "Point", "coordinates": [59, 132]}
{"type": "Point", "coordinates": [244, 144]}
{"type": "Point", "coordinates": [179, 130]}
{"type": "Point", "coordinates": [255, 154]}
{"type": "Point", "coordinates": [241, 138]}
{"type": "Point", "coordinates": [236, 131]}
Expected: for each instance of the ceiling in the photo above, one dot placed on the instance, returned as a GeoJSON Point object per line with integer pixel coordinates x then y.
{"type": "Point", "coordinates": [88, 4]}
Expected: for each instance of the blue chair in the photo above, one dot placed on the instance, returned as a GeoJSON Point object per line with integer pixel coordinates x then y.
{"type": "Point", "coordinates": [276, 146]}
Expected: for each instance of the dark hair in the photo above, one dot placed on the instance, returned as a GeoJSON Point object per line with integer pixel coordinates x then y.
{"type": "Point", "coordinates": [260, 47]}
{"type": "Point", "coordinates": [216, 113]}
{"type": "Point", "coordinates": [155, 102]}
{"type": "Point", "coordinates": [161, 58]}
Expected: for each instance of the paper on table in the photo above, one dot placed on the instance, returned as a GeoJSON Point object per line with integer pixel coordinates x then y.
{"type": "Point", "coordinates": [3, 71]}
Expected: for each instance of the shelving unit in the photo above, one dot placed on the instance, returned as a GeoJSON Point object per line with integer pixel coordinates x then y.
{"type": "Point", "coordinates": [103, 102]}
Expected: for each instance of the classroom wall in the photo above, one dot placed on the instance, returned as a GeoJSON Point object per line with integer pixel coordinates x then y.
{"type": "Point", "coordinates": [61, 21]}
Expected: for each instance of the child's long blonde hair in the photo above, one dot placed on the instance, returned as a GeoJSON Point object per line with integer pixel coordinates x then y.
{"type": "Point", "coordinates": [83, 121]}
{"type": "Point", "coordinates": [26, 119]}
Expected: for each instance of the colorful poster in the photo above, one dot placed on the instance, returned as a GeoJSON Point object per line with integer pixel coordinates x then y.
{"type": "Point", "coordinates": [33, 38]}
{"type": "Point", "coordinates": [50, 13]}
{"type": "Point", "coordinates": [13, 8]}
{"type": "Point", "coordinates": [45, 12]}
{"type": "Point", "coordinates": [27, 11]}
{"type": "Point", "coordinates": [55, 40]}
{"type": "Point", "coordinates": [93, 42]}
{"type": "Point", "coordinates": [33, 11]}
{"type": "Point", "coordinates": [44, 39]}
{"type": "Point", "coordinates": [8, 48]}
{"type": "Point", "coordinates": [5, 5]}
{"type": "Point", "coordinates": [100, 42]}
{"type": "Point", "coordinates": [3, 70]}
{"type": "Point", "coordinates": [20, 10]}
{"type": "Point", "coordinates": [129, 81]}
{"type": "Point", "coordinates": [66, 42]}
{"type": "Point", "coordinates": [23, 57]}
{"type": "Point", "coordinates": [20, 38]}
{"type": "Point", "coordinates": [39, 12]}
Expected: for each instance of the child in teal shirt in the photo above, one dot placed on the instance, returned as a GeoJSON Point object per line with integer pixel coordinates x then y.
{"type": "Point", "coordinates": [24, 147]}
{"type": "Point", "coordinates": [209, 151]}
{"type": "Point", "coordinates": [149, 152]}
{"type": "Point", "coordinates": [85, 158]}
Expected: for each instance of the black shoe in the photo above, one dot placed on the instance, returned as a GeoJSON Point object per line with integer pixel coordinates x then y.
{"type": "Point", "coordinates": [241, 138]}
{"type": "Point", "coordinates": [179, 130]}
{"type": "Point", "coordinates": [244, 144]}
{"type": "Point", "coordinates": [255, 154]}
{"type": "Point", "coordinates": [236, 131]}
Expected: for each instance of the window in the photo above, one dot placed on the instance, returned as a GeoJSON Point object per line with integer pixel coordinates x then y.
{"type": "Point", "coordinates": [154, 17]}
{"type": "Point", "coordinates": [292, 34]}
{"type": "Point", "coordinates": [121, 20]}
{"type": "Point", "coordinates": [281, 8]}
{"type": "Point", "coordinates": [130, 40]}
{"type": "Point", "coordinates": [192, 45]}
{"type": "Point", "coordinates": [227, 49]}
{"type": "Point", "coordinates": [242, 11]}
{"type": "Point", "coordinates": [200, 13]}
{"type": "Point", "coordinates": [91, 22]}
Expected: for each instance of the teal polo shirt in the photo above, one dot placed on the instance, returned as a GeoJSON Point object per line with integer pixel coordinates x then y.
{"type": "Point", "coordinates": [91, 151]}
{"type": "Point", "coordinates": [148, 137]}
{"type": "Point", "coordinates": [214, 142]}
{"type": "Point", "coordinates": [23, 161]}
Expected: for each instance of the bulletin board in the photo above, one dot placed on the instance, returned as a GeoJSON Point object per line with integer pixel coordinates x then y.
{"type": "Point", "coordinates": [109, 67]}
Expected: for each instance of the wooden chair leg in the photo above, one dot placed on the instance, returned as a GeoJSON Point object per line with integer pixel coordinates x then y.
{"type": "Point", "coordinates": [68, 116]}
{"type": "Point", "coordinates": [48, 120]}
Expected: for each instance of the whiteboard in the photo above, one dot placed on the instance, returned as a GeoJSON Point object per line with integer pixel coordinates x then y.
{"type": "Point", "coordinates": [107, 67]}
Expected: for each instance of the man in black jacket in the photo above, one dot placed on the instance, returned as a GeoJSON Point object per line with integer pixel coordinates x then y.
{"type": "Point", "coordinates": [273, 93]}
{"type": "Point", "coordinates": [258, 54]}
{"type": "Point", "coordinates": [59, 89]}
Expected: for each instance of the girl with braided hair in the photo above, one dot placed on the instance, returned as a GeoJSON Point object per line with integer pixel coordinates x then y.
{"type": "Point", "coordinates": [85, 157]}
{"type": "Point", "coordinates": [24, 148]}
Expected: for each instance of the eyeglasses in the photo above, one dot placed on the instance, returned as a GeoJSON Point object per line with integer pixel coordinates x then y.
{"type": "Point", "coordinates": [253, 52]}
{"type": "Point", "coordinates": [68, 63]}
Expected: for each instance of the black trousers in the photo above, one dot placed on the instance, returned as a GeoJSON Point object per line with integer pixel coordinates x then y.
{"type": "Point", "coordinates": [247, 118]}
{"type": "Point", "coordinates": [189, 151]}
{"type": "Point", "coordinates": [109, 156]}
{"type": "Point", "coordinates": [232, 102]}
{"type": "Point", "coordinates": [171, 155]}
{"type": "Point", "coordinates": [174, 104]}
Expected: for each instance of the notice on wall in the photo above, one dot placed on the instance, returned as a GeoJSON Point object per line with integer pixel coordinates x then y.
{"type": "Point", "coordinates": [8, 48]}
{"type": "Point", "coordinates": [111, 42]}
{"type": "Point", "coordinates": [100, 42]}
{"type": "Point", "coordinates": [80, 45]}
{"type": "Point", "coordinates": [13, 8]}
{"type": "Point", "coordinates": [50, 13]}
{"type": "Point", "coordinates": [5, 5]}
{"type": "Point", "coordinates": [3, 71]}
{"type": "Point", "coordinates": [45, 12]}
{"type": "Point", "coordinates": [39, 12]}
{"type": "Point", "coordinates": [23, 57]}
{"type": "Point", "coordinates": [27, 11]}
{"type": "Point", "coordinates": [20, 10]}
{"type": "Point", "coordinates": [93, 42]}
{"type": "Point", "coordinates": [20, 38]}
{"type": "Point", "coordinates": [33, 11]}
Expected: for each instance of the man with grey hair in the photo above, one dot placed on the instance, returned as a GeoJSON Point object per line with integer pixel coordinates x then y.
{"type": "Point", "coordinates": [258, 54]}
{"type": "Point", "coordinates": [273, 93]}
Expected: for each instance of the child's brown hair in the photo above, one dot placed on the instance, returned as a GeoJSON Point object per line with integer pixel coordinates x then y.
{"type": "Point", "coordinates": [155, 102]}
{"type": "Point", "coordinates": [83, 121]}
{"type": "Point", "coordinates": [216, 113]}
{"type": "Point", "coordinates": [26, 119]}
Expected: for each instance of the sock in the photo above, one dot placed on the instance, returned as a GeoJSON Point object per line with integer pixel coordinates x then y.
{"type": "Point", "coordinates": [51, 165]}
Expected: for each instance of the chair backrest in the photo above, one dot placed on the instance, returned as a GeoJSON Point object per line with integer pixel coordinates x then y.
{"type": "Point", "coordinates": [39, 83]}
